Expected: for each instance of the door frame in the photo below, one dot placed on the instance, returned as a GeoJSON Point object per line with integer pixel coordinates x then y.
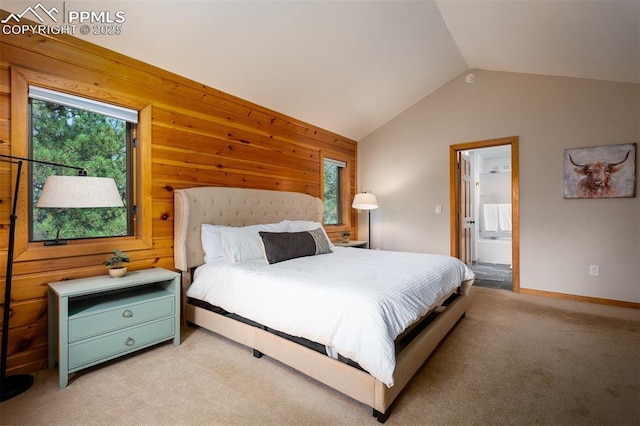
{"type": "Point", "coordinates": [454, 198]}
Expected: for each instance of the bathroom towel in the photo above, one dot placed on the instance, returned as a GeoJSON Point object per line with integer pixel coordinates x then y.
{"type": "Point", "coordinates": [490, 215]}
{"type": "Point", "coordinates": [504, 217]}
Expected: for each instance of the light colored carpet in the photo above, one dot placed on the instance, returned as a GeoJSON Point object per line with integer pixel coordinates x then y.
{"type": "Point", "coordinates": [513, 360]}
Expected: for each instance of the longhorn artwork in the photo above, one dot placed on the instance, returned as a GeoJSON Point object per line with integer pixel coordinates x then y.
{"type": "Point", "coordinates": [600, 172]}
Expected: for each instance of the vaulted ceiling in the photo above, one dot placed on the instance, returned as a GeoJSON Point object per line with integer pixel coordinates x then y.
{"type": "Point", "coordinates": [351, 66]}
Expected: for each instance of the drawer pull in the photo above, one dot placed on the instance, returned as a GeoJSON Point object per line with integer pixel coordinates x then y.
{"type": "Point", "coordinates": [130, 341]}
{"type": "Point", "coordinates": [127, 314]}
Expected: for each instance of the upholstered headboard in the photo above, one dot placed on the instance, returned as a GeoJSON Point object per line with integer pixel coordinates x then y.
{"type": "Point", "coordinates": [232, 207]}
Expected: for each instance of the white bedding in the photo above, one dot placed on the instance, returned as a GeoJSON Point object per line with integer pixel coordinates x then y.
{"type": "Point", "coordinates": [352, 300]}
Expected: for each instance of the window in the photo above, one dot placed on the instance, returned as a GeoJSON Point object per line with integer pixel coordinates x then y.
{"type": "Point", "coordinates": [79, 132]}
{"type": "Point", "coordinates": [333, 176]}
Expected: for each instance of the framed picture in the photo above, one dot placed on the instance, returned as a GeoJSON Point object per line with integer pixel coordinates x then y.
{"type": "Point", "coordinates": [600, 172]}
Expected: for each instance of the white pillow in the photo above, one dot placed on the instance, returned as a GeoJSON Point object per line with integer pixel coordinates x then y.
{"type": "Point", "coordinates": [212, 243]}
{"type": "Point", "coordinates": [244, 243]}
{"type": "Point", "coordinates": [306, 225]}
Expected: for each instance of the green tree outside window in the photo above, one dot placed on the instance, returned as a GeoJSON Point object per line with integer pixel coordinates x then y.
{"type": "Point", "coordinates": [93, 141]}
{"type": "Point", "coordinates": [331, 194]}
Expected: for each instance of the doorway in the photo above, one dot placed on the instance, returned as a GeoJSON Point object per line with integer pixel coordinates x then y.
{"type": "Point", "coordinates": [468, 219]}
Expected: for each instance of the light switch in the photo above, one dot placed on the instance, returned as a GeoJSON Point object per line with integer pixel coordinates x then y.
{"type": "Point", "coordinates": [438, 209]}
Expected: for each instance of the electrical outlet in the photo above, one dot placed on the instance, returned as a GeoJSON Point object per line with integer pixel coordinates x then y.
{"type": "Point", "coordinates": [594, 270]}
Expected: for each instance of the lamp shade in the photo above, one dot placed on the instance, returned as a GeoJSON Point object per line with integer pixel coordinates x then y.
{"type": "Point", "coordinates": [68, 192]}
{"type": "Point", "coordinates": [365, 201]}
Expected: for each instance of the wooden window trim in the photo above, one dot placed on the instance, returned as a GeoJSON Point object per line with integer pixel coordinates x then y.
{"type": "Point", "coordinates": [345, 195]}
{"type": "Point", "coordinates": [142, 238]}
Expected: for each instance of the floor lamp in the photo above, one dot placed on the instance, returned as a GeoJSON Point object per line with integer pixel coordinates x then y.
{"type": "Point", "coordinates": [365, 201]}
{"type": "Point", "coordinates": [57, 192]}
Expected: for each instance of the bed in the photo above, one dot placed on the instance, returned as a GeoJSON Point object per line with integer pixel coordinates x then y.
{"type": "Point", "coordinates": [254, 306]}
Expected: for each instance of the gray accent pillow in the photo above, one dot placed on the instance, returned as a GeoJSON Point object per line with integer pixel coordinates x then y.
{"type": "Point", "coordinates": [280, 246]}
{"type": "Point", "coordinates": [322, 244]}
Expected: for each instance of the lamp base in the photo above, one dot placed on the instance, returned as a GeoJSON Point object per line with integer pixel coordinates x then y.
{"type": "Point", "coordinates": [15, 385]}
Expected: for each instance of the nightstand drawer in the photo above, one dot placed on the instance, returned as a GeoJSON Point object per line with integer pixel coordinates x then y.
{"type": "Point", "coordinates": [93, 351]}
{"type": "Point", "coordinates": [97, 315]}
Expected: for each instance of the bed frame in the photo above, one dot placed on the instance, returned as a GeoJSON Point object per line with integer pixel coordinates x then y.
{"type": "Point", "coordinates": [241, 207]}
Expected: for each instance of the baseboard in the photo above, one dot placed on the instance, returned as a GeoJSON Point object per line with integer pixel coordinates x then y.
{"type": "Point", "coordinates": [598, 300]}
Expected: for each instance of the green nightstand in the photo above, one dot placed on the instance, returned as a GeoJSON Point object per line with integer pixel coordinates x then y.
{"type": "Point", "coordinates": [93, 320]}
{"type": "Point", "coordinates": [356, 244]}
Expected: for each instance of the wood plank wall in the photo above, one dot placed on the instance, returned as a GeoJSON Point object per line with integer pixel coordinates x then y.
{"type": "Point", "coordinates": [199, 136]}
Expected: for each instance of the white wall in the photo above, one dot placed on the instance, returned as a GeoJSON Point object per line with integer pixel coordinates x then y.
{"type": "Point", "coordinates": [405, 163]}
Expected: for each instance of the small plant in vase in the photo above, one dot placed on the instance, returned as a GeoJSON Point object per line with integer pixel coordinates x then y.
{"type": "Point", "coordinates": [116, 270]}
{"type": "Point", "coordinates": [345, 236]}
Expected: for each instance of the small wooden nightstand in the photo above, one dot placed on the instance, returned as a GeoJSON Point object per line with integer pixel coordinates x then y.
{"type": "Point", "coordinates": [356, 244]}
{"type": "Point", "coordinates": [93, 320]}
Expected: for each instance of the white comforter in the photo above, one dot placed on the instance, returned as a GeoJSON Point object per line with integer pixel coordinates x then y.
{"type": "Point", "coordinates": [353, 301]}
